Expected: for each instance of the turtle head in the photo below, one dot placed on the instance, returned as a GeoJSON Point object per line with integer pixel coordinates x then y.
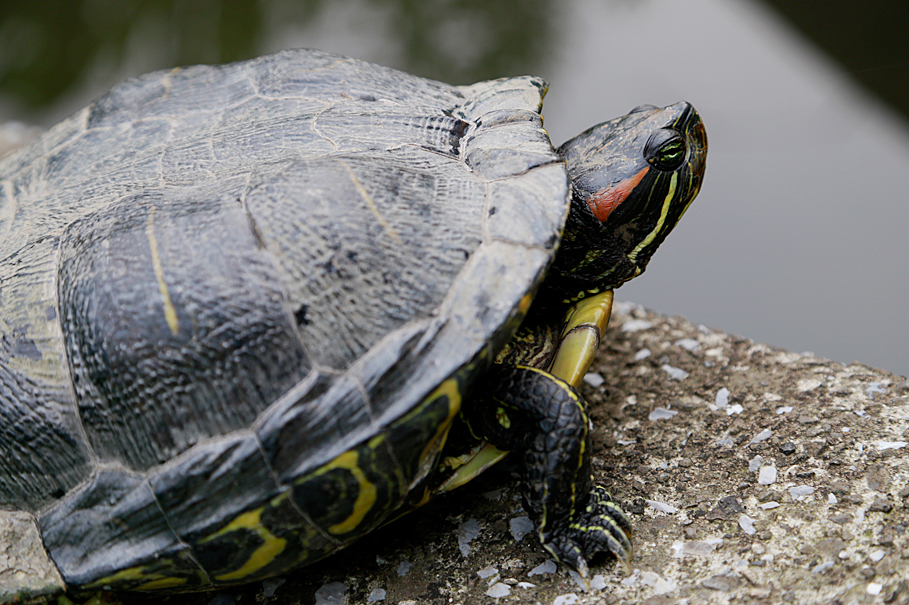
{"type": "Point", "coordinates": [632, 180]}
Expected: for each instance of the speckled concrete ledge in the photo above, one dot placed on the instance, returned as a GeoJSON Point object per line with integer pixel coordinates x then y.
{"type": "Point", "coordinates": [761, 475]}
{"type": "Point", "coordinates": [752, 475]}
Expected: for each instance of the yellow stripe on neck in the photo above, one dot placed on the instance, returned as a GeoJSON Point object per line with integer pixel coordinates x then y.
{"type": "Point", "coordinates": [667, 202]}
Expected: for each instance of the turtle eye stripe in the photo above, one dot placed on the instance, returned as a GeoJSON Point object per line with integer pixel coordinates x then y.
{"type": "Point", "coordinates": [607, 199]}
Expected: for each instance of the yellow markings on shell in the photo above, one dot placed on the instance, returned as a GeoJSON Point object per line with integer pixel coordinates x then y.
{"type": "Point", "coordinates": [271, 547]}
{"type": "Point", "coordinates": [161, 584]}
{"type": "Point", "coordinates": [372, 205]}
{"type": "Point", "coordinates": [524, 304]}
{"type": "Point", "coordinates": [133, 574]}
{"type": "Point", "coordinates": [585, 323]}
{"type": "Point", "coordinates": [667, 202]}
{"type": "Point", "coordinates": [366, 496]}
{"type": "Point", "coordinates": [448, 389]}
{"type": "Point", "coordinates": [170, 314]}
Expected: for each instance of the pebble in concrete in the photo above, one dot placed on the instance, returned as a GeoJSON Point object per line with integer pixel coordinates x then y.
{"type": "Point", "coordinates": [721, 400]}
{"type": "Point", "coordinates": [800, 490]}
{"type": "Point", "coordinates": [520, 527]}
{"type": "Point", "coordinates": [498, 590]}
{"type": "Point", "coordinates": [270, 585]}
{"type": "Point", "coordinates": [636, 325]}
{"type": "Point", "coordinates": [659, 413]}
{"type": "Point", "coordinates": [697, 548]}
{"type": "Point", "coordinates": [890, 445]}
{"type": "Point", "coordinates": [404, 567]}
{"type": "Point", "coordinates": [593, 379]}
{"type": "Point", "coordinates": [487, 572]}
{"type": "Point", "coordinates": [467, 533]}
{"type": "Point", "coordinates": [762, 436]}
{"type": "Point", "coordinates": [674, 373]}
{"type": "Point", "coordinates": [662, 507]}
{"type": "Point", "coordinates": [755, 463]}
{"type": "Point", "coordinates": [543, 568]}
{"type": "Point", "coordinates": [331, 594]}
{"type": "Point", "coordinates": [689, 344]}
{"type": "Point", "coordinates": [767, 475]}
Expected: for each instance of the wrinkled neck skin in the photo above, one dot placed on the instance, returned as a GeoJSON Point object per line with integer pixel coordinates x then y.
{"type": "Point", "coordinates": [587, 253]}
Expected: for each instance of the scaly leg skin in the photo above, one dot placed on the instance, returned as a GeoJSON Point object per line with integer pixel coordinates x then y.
{"type": "Point", "coordinates": [544, 418]}
{"type": "Point", "coordinates": [580, 337]}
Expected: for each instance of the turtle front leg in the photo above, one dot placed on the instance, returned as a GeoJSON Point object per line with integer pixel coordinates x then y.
{"type": "Point", "coordinates": [544, 419]}
{"type": "Point", "coordinates": [584, 327]}
{"type": "Point", "coordinates": [530, 405]}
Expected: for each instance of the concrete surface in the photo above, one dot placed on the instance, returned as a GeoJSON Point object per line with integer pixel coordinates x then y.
{"type": "Point", "coordinates": [751, 474]}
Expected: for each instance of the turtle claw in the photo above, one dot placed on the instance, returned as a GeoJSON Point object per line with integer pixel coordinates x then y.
{"type": "Point", "coordinates": [584, 573]}
{"type": "Point", "coordinates": [600, 527]}
{"type": "Point", "coordinates": [531, 410]}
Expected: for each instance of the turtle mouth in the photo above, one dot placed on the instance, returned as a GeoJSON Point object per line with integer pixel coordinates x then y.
{"type": "Point", "coordinates": [691, 127]}
{"type": "Point", "coordinates": [697, 152]}
{"type": "Point", "coordinates": [689, 123]}
{"type": "Point", "coordinates": [698, 157]}
{"type": "Point", "coordinates": [699, 135]}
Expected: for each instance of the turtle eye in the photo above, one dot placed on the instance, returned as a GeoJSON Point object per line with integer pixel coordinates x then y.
{"type": "Point", "coordinates": [665, 149]}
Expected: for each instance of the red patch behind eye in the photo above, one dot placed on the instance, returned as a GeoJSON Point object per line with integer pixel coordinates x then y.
{"type": "Point", "coordinates": [607, 199]}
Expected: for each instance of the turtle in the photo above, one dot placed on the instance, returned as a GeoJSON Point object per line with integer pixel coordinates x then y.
{"type": "Point", "coordinates": [251, 312]}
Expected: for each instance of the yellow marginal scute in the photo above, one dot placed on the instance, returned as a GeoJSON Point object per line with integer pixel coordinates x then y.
{"type": "Point", "coordinates": [448, 389]}
{"type": "Point", "coordinates": [161, 584]}
{"type": "Point", "coordinates": [133, 574]}
{"type": "Point", "coordinates": [524, 304]}
{"type": "Point", "coordinates": [271, 546]}
{"type": "Point", "coordinates": [366, 497]}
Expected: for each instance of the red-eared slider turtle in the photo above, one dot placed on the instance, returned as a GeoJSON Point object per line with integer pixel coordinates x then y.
{"type": "Point", "coordinates": [242, 308]}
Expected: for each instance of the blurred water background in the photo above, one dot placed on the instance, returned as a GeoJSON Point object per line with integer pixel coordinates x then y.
{"type": "Point", "coordinates": [800, 237]}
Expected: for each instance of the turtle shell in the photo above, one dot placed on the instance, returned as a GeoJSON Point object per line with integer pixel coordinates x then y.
{"type": "Point", "coordinates": [240, 306]}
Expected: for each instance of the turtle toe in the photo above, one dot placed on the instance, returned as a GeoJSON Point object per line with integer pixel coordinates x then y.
{"type": "Point", "coordinates": [601, 526]}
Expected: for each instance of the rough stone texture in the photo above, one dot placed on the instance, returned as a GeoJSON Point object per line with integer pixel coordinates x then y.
{"type": "Point", "coordinates": [25, 568]}
{"type": "Point", "coordinates": [831, 528]}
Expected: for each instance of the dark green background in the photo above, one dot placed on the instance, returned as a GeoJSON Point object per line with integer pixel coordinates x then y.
{"type": "Point", "coordinates": [47, 46]}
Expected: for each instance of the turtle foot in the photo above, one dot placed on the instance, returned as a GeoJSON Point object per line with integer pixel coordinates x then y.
{"type": "Point", "coordinates": [601, 526]}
